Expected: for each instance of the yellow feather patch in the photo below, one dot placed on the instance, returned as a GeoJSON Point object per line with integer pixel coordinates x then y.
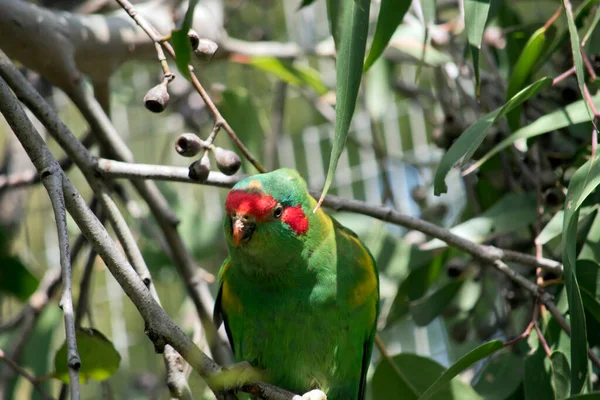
{"type": "Point", "coordinates": [230, 302]}
{"type": "Point", "coordinates": [254, 185]}
{"type": "Point", "coordinates": [366, 290]}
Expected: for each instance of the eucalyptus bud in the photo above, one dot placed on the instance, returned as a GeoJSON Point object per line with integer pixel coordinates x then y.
{"type": "Point", "coordinates": [227, 161]}
{"type": "Point", "coordinates": [188, 145]}
{"type": "Point", "coordinates": [200, 169]}
{"type": "Point", "coordinates": [157, 98]}
{"type": "Point", "coordinates": [205, 49]}
{"type": "Point", "coordinates": [194, 39]}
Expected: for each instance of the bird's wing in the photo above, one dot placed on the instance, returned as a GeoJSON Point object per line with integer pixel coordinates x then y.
{"type": "Point", "coordinates": [367, 288]}
{"type": "Point", "coordinates": [219, 315]}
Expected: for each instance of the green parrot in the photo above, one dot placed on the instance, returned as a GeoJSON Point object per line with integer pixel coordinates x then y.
{"type": "Point", "coordinates": [299, 293]}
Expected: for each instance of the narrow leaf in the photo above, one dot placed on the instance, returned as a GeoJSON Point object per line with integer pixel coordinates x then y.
{"type": "Point", "coordinates": [476, 15]}
{"type": "Point", "coordinates": [335, 12]}
{"type": "Point", "coordinates": [522, 71]}
{"type": "Point", "coordinates": [471, 139]}
{"type": "Point", "coordinates": [592, 26]}
{"type": "Point", "coordinates": [351, 54]}
{"type": "Point", "coordinates": [554, 227]}
{"type": "Point", "coordinates": [391, 14]}
{"type": "Point", "coordinates": [584, 181]}
{"type": "Point", "coordinates": [576, 51]}
{"type": "Point", "coordinates": [574, 113]}
{"type": "Point", "coordinates": [481, 352]}
{"type": "Point", "coordinates": [181, 41]}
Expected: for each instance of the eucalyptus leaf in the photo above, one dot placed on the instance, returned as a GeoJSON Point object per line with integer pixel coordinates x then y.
{"type": "Point", "coordinates": [181, 41]}
{"type": "Point", "coordinates": [476, 15]}
{"type": "Point", "coordinates": [426, 309]}
{"type": "Point", "coordinates": [479, 353]}
{"type": "Point", "coordinates": [349, 66]}
{"type": "Point", "coordinates": [391, 14]}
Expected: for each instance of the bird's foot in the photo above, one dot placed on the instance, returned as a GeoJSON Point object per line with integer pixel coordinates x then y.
{"type": "Point", "coordinates": [312, 395]}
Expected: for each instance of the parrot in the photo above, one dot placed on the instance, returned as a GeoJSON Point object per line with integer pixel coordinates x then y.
{"type": "Point", "coordinates": [298, 292]}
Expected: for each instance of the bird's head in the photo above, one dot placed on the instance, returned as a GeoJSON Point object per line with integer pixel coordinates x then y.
{"type": "Point", "coordinates": [268, 214]}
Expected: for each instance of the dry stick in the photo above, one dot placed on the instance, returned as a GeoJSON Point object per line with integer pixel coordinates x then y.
{"type": "Point", "coordinates": [100, 124]}
{"type": "Point", "coordinates": [51, 177]}
{"type": "Point", "coordinates": [25, 374]}
{"type": "Point", "coordinates": [220, 122]}
{"type": "Point", "coordinates": [26, 178]}
{"type": "Point", "coordinates": [117, 169]}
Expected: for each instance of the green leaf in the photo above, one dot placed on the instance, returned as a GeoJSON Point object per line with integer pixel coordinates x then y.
{"type": "Point", "coordinates": [99, 358]}
{"type": "Point", "coordinates": [481, 352]}
{"type": "Point", "coordinates": [584, 181]}
{"type": "Point", "coordinates": [391, 14]}
{"type": "Point", "coordinates": [181, 41]}
{"type": "Point", "coordinates": [469, 141]}
{"type": "Point", "coordinates": [509, 214]}
{"type": "Point", "coordinates": [574, 113]}
{"type": "Point", "coordinates": [335, 12]}
{"type": "Point", "coordinates": [15, 278]}
{"type": "Point", "coordinates": [587, 396]}
{"type": "Point", "coordinates": [537, 381]}
{"type": "Point", "coordinates": [576, 51]}
{"type": "Point", "coordinates": [522, 71]}
{"type": "Point", "coordinates": [349, 65]}
{"type": "Point", "coordinates": [290, 72]}
{"type": "Point", "coordinates": [592, 27]}
{"type": "Point", "coordinates": [428, 308]}
{"type": "Point", "coordinates": [410, 376]}
{"type": "Point", "coordinates": [591, 303]}
{"type": "Point", "coordinates": [501, 376]}
{"type": "Point", "coordinates": [560, 375]}
{"type": "Point", "coordinates": [476, 15]}
{"type": "Point", "coordinates": [588, 274]}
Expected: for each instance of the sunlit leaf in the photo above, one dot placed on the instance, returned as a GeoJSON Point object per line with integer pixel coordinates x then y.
{"type": "Point", "coordinates": [15, 278]}
{"type": "Point", "coordinates": [471, 139]}
{"type": "Point", "coordinates": [411, 375]}
{"type": "Point", "coordinates": [522, 71]}
{"type": "Point", "coordinates": [290, 72]}
{"type": "Point", "coordinates": [576, 52]}
{"type": "Point", "coordinates": [181, 41]}
{"type": "Point", "coordinates": [481, 352]}
{"type": "Point", "coordinates": [391, 13]}
{"type": "Point", "coordinates": [476, 15]}
{"type": "Point", "coordinates": [574, 113]}
{"type": "Point", "coordinates": [554, 227]}
{"type": "Point", "coordinates": [99, 358]}
{"type": "Point", "coordinates": [584, 181]}
{"type": "Point", "coordinates": [428, 308]}
{"type": "Point", "coordinates": [349, 65]}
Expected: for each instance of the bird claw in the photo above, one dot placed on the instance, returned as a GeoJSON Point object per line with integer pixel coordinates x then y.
{"type": "Point", "coordinates": [312, 395]}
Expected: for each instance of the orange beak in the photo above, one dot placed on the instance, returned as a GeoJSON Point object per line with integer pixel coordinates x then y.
{"type": "Point", "coordinates": [238, 231]}
{"type": "Point", "coordinates": [243, 227]}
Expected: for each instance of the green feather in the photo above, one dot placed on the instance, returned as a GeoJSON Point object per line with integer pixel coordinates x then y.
{"type": "Point", "coordinates": [303, 307]}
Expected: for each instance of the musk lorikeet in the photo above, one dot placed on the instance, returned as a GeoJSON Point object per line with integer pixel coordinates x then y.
{"type": "Point", "coordinates": [299, 292]}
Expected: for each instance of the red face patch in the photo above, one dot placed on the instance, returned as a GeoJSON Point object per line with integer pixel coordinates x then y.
{"type": "Point", "coordinates": [296, 219]}
{"type": "Point", "coordinates": [250, 203]}
{"type": "Point", "coordinates": [261, 207]}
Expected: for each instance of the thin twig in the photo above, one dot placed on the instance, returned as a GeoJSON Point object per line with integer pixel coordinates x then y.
{"type": "Point", "coordinates": [25, 374]}
{"type": "Point", "coordinates": [220, 122]}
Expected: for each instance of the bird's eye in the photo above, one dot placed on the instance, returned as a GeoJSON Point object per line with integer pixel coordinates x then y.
{"type": "Point", "coordinates": [278, 211]}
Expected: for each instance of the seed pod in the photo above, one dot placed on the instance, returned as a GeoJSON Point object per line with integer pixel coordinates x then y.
{"type": "Point", "coordinates": [200, 169]}
{"type": "Point", "coordinates": [188, 145]}
{"type": "Point", "coordinates": [157, 98]}
{"type": "Point", "coordinates": [205, 49]}
{"type": "Point", "coordinates": [194, 39]}
{"type": "Point", "coordinates": [227, 161]}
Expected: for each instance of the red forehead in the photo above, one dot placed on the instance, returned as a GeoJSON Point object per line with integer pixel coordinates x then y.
{"type": "Point", "coordinates": [255, 204]}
